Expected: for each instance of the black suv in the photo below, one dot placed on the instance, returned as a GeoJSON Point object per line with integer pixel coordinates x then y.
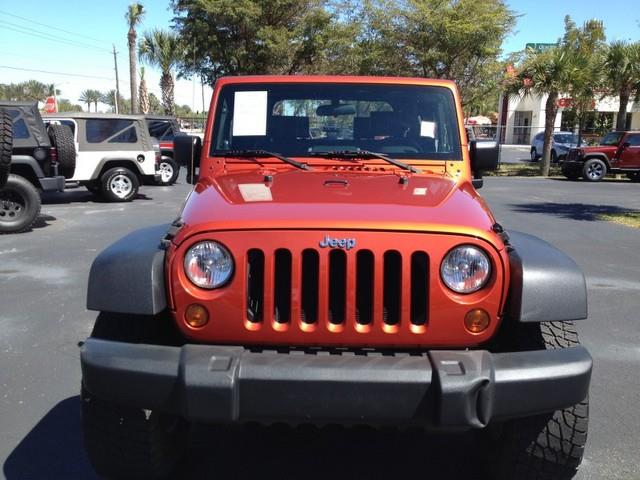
{"type": "Point", "coordinates": [40, 158]}
{"type": "Point", "coordinates": [164, 129]}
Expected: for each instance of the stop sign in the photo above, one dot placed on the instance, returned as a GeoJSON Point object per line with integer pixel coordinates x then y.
{"type": "Point", "coordinates": [50, 105]}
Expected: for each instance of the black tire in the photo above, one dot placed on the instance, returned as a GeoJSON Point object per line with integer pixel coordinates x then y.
{"type": "Point", "coordinates": [126, 442]}
{"type": "Point", "coordinates": [554, 156]}
{"type": "Point", "coordinates": [19, 205]}
{"type": "Point", "coordinates": [62, 139]}
{"type": "Point", "coordinates": [119, 184]}
{"type": "Point", "coordinates": [634, 176]}
{"type": "Point", "coordinates": [543, 447]}
{"type": "Point", "coordinates": [534, 155]}
{"type": "Point", "coordinates": [572, 173]}
{"type": "Point", "coordinates": [594, 170]}
{"type": "Point", "coordinates": [169, 171]}
{"type": "Point", "coordinates": [6, 145]}
{"type": "Point", "coordinates": [93, 186]}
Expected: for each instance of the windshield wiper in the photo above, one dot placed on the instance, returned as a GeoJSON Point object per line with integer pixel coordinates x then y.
{"type": "Point", "coordinates": [366, 154]}
{"type": "Point", "coordinates": [263, 154]}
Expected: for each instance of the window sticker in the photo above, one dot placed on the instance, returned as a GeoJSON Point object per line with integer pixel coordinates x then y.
{"type": "Point", "coordinates": [428, 129]}
{"type": "Point", "coordinates": [250, 114]}
{"type": "Point", "coordinates": [255, 192]}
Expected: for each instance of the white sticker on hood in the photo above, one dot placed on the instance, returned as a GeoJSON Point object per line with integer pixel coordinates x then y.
{"type": "Point", "coordinates": [420, 191]}
{"type": "Point", "coordinates": [250, 114]}
{"type": "Point", "coordinates": [255, 192]}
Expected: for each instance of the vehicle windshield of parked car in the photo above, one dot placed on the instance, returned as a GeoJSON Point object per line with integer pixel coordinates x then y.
{"type": "Point", "coordinates": [612, 138]}
{"type": "Point", "coordinates": [306, 119]}
{"type": "Point", "coordinates": [566, 138]}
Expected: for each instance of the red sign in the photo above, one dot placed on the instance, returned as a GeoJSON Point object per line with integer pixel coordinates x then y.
{"type": "Point", "coordinates": [50, 105]}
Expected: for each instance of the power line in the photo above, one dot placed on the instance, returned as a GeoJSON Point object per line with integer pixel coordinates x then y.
{"type": "Point", "coordinates": [47, 36]}
{"type": "Point", "coordinates": [56, 73]}
{"type": "Point", "coordinates": [49, 59]}
{"type": "Point", "coordinates": [49, 26]}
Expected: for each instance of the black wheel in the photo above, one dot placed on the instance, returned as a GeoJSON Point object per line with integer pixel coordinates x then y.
{"type": "Point", "coordinates": [169, 171]}
{"type": "Point", "coordinates": [6, 145]}
{"type": "Point", "coordinates": [571, 173]}
{"type": "Point", "coordinates": [634, 176]}
{"type": "Point", "coordinates": [19, 205]}
{"type": "Point", "coordinates": [125, 442]}
{"type": "Point", "coordinates": [534, 155]}
{"type": "Point", "coordinates": [554, 156]}
{"type": "Point", "coordinates": [62, 139]}
{"type": "Point", "coordinates": [543, 447]}
{"type": "Point", "coordinates": [119, 185]}
{"type": "Point", "coordinates": [594, 170]}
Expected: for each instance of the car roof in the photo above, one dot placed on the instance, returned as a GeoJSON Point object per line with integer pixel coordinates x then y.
{"type": "Point", "coordinates": [334, 79]}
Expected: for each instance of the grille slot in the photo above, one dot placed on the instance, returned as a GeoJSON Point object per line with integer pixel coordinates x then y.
{"type": "Point", "coordinates": [392, 287]}
{"type": "Point", "coordinates": [337, 286]}
{"type": "Point", "coordinates": [368, 290]}
{"type": "Point", "coordinates": [364, 287]}
{"type": "Point", "coordinates": [255, 285]}
{"type": "Point", "coordinates": [309, 294]}
{"type": "Point", "coordinates": [282, 286]}
{"type": "Point", "coordinates": [419, 288]}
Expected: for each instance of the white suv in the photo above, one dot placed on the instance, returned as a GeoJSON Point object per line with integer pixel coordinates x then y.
{"type": "Point", "coordinates": [115, 153]}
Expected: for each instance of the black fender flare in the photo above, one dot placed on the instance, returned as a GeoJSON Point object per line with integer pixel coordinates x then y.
{"type": "Point", "coordinates": [546, 284]}
{"type": "Point", "coordinates": [128, 276]}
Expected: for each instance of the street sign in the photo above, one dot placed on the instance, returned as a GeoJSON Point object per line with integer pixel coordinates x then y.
{"type": "Point", "coordinates": [50, 105]}
{"type": "Point", "coordinates": [539, 47]}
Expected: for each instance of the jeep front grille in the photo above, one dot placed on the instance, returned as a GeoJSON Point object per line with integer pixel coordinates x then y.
{"type": "Point", "coordinates": [314, 288]}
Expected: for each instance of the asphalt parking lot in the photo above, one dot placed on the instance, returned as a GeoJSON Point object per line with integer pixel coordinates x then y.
{"type": "Point", "coordinates": [43, 277]}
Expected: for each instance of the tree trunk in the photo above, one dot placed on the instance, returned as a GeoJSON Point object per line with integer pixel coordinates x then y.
{"type": "Point", "coordinates": [166, 85]}
{"type": "Point", "coordinates": [621, 121]}
{"type": "Point", "coordinates": [133, 70]}
{"type": "Point", "coordinates": [550, 117]}
{"type": "Point", "coordinates": [144, 96]}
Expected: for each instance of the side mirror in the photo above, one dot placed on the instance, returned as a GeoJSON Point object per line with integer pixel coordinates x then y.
{"type": "Point", "coordinates": [484, 156]}
{"type": "Point", "coordinates": [626, 145]}
{"type": "Point", "coordinates": [187, 150]}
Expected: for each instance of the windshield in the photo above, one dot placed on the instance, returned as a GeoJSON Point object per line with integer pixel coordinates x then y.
{"type": "Point", "coordinates": [612, 138]}
{"type": "Point", "coordinates": [306, 119]}
{"type": "Point", "coordinates": [566, 138]}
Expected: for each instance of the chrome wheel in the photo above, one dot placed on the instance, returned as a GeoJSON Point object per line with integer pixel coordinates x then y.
{"type": "Point", "coordinates": [121, 185]}
{"type": "Point", "coordinates": [166, 172]}
{"type": "Point", "coordinates": [12, 206]}
{"type": "Point", "coordinates": [595, 171]}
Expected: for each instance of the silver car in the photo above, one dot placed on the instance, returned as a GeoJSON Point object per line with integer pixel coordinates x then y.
{"type": "Point", "coordinates": [562, 142]}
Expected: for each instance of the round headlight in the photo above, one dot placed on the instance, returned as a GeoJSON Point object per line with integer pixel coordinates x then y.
{"type": "Point", "coordinates": [465, 269]}
{"type": "Point", "coordinates": [208, 264]}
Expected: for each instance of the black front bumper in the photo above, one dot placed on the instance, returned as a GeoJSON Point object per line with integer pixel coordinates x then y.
{"type": "Point", "coordinates": [447, 389]}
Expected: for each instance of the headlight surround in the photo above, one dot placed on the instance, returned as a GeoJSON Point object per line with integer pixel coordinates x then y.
{"type": "Point", "coordinates": [208, 264]}
{"type": "Point", "coordinates": [465, 269]}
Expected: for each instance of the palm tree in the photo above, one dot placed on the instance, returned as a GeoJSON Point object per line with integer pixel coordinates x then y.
{"type": "Point", "coordinates": [549, 73]}
{"type": "Point", "coordinates": [90, 96]}
{"type": "Point", "coordinates": [143, 93]}
{"type": "Point", "coordinates": [162, 49]}
{"type": "Point", "coordinates": [134, 15]}
{"type": "Point", "coordinates": [622, 69]}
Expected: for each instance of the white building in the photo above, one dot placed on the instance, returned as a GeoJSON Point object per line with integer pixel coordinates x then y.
{"type": "Point", "coordinates": [520, 118]}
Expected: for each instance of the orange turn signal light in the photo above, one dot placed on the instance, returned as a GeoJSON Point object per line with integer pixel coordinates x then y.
{"type": "Point", "coordinates": [196, 316]}
{"type": "Point", "coordinates": [476, 321]}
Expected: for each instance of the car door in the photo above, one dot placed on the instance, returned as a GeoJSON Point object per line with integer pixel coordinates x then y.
{"type": "Point", "coordinates": [630, 155]}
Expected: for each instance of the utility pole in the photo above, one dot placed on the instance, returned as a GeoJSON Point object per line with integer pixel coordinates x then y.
{"type": "Point", "coordinates": [115, 63]}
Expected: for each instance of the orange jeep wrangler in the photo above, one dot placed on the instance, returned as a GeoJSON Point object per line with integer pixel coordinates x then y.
{"type": "Point", "coordinates": [335, 264]}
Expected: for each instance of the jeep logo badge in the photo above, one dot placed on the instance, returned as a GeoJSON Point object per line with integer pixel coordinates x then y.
{"type": "Point", "coordinates": [346, 243]}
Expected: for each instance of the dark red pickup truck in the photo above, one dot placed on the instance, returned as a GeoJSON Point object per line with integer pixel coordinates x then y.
{"type": "Point", "coordinates": [618, 152]}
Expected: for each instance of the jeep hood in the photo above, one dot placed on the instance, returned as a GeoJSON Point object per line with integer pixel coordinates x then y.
{"type": "Point", "coordinates": [338, 200]}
